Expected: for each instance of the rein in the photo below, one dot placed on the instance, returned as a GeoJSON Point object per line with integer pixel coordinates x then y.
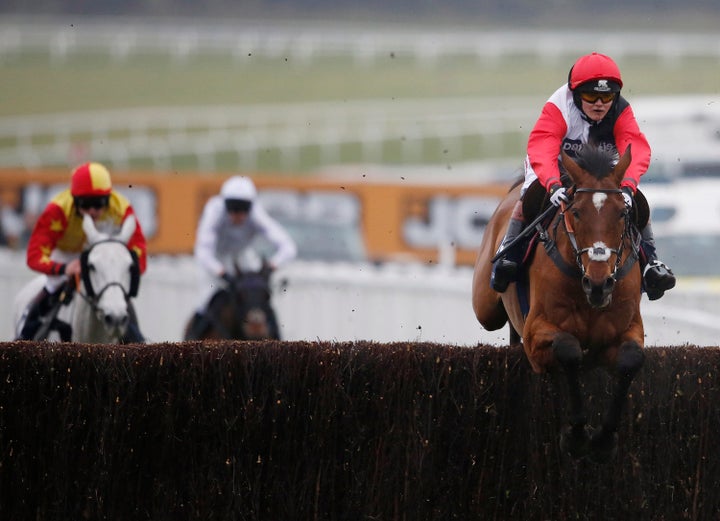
{"type": "Point", "coordinates": [578, 270]}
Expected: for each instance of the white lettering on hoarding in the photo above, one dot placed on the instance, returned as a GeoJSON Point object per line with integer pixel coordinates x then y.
{"type": "Point", "coordinates": [460, 220]}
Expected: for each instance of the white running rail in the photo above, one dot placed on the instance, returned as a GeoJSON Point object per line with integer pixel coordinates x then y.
{"type": "Point", "coordinates": [346, 302]}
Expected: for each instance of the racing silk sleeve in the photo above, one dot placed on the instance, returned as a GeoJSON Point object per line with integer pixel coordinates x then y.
{"type": "Point", "coordinates": [627, 132]}
{"type": "Point", "coordinates": [285, 247]}
{"type": "Point", "coordinates": [544, 144]}
{"type": "Point", "coordinates": [206, 239]}
{"type": "Point", "coordinates": [48, 230]}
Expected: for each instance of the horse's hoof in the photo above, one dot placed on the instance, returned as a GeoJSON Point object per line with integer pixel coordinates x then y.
{"type": "Point", "coordinates": [604, 446]}
{"type": "Point", "coordinates": [575, 442]}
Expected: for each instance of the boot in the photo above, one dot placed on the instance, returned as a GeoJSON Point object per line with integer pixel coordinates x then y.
{"type": "Point", "coordinates": [657, 277]}
{"type": "Point", "coordinates": [38, 308]}
{"type": "Point", "coordinates": [199, 324]}
{"type": "Point", "coordinates": [505, 269]}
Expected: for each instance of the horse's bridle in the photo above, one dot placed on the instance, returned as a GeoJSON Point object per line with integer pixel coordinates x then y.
{"type": "Point", "coordinates": [91, 296]}
{"type": "Point", "coordinates": [578, 271]}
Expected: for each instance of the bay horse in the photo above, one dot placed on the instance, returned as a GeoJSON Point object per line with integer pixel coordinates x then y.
{"type": "Point", "coordinates": [242, 311]}
{"type": "Point", "coordinates": [584, 289]}
{"type": "Point", "coordinates": [98, 307]}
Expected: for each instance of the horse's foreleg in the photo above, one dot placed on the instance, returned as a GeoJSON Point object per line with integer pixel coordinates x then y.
{"type": "Point", "coordinates": [568, 353]}
{"type": "Point", "coordinates": [630, 359]}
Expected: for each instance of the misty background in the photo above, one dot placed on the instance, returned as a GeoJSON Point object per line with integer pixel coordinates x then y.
{"type": "Point", "coordinates": [689, 15]}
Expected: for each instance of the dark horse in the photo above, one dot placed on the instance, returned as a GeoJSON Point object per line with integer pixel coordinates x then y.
{"type": "Point", "coordinates": [242, 311]}
{"type": "Point", "coordinates": [584, 294]}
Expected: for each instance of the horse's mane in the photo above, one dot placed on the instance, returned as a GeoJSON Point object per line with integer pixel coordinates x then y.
{"type": "Point", "coordinates": [596, 160]}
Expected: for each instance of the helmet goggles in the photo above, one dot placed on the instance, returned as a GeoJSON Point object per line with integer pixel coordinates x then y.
{"type": "Point", "coordinates": [592, 97]}
{"type": "Point", "coordinates": [238, 205]}
{"type": "Point", "coordinates": [92, 201]}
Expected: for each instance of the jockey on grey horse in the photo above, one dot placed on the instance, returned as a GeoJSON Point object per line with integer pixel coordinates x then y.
{"type": "Point", "coordinates": [60, 236]}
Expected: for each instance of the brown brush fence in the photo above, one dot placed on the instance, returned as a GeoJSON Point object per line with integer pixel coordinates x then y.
{"type": "Point", "coordinates": [344, 431]}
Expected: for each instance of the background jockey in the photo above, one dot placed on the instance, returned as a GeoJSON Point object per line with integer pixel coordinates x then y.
{"type": "Point", "coordinates": [229, 223]}
{"type": "Point", "coordinates": [58, 239]}
{"type": "Point", "coordinates": [587, 109]}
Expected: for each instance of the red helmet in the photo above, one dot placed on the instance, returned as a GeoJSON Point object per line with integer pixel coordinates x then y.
{"type": "Point", "coordinates": [90, 179]}
{"type": "Point", "coordinates": [597, 72]}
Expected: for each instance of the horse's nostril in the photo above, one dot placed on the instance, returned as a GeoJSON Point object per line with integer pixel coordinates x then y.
{"type": "Point", "coordinates": [586, 284]}
{"type": "Point", "coordinates": [609, 284]}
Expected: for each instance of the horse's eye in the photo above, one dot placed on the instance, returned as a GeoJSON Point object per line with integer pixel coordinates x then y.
{"type": "Point", "coordinates": [575, 213]}
{"type": "Point", "coordinates": [91, 267]}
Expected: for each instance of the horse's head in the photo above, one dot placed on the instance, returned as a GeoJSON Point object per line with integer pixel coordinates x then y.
{"type": "Point", "coordinates": [252, 305]}
{"type": "Point", "coordinates": [110, 275]}
{"type": "Point", "coordinates": [597, 220]}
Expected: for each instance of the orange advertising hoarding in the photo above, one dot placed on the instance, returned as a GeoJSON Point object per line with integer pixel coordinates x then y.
{"type": "Point", "coordinates": [395, 220]}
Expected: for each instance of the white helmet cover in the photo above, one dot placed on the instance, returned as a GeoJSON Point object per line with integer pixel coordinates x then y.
{"type": "Point", "coordinates": [238, 187]}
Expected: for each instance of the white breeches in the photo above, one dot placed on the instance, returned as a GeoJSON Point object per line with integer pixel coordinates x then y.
{"type": "Point", "coordinates": [530, 176]}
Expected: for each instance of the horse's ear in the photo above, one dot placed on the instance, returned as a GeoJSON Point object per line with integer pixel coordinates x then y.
{"type": "Point", "coordinates": [128, 228]}
{"type": "Point", "coordinates": [88, 226]}
{"type": "Point", "coordinates": [622, 165]}
{"type": "Point", "coordinates": [573, 169]}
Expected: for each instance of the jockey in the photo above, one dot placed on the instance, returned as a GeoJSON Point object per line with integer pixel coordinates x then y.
{"type": "Point", "coordinates": [58, 239]}
{"type": "Point", "coordinates": [587, 109]}
{"type": "Point", "coordinates": [229, 223]}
